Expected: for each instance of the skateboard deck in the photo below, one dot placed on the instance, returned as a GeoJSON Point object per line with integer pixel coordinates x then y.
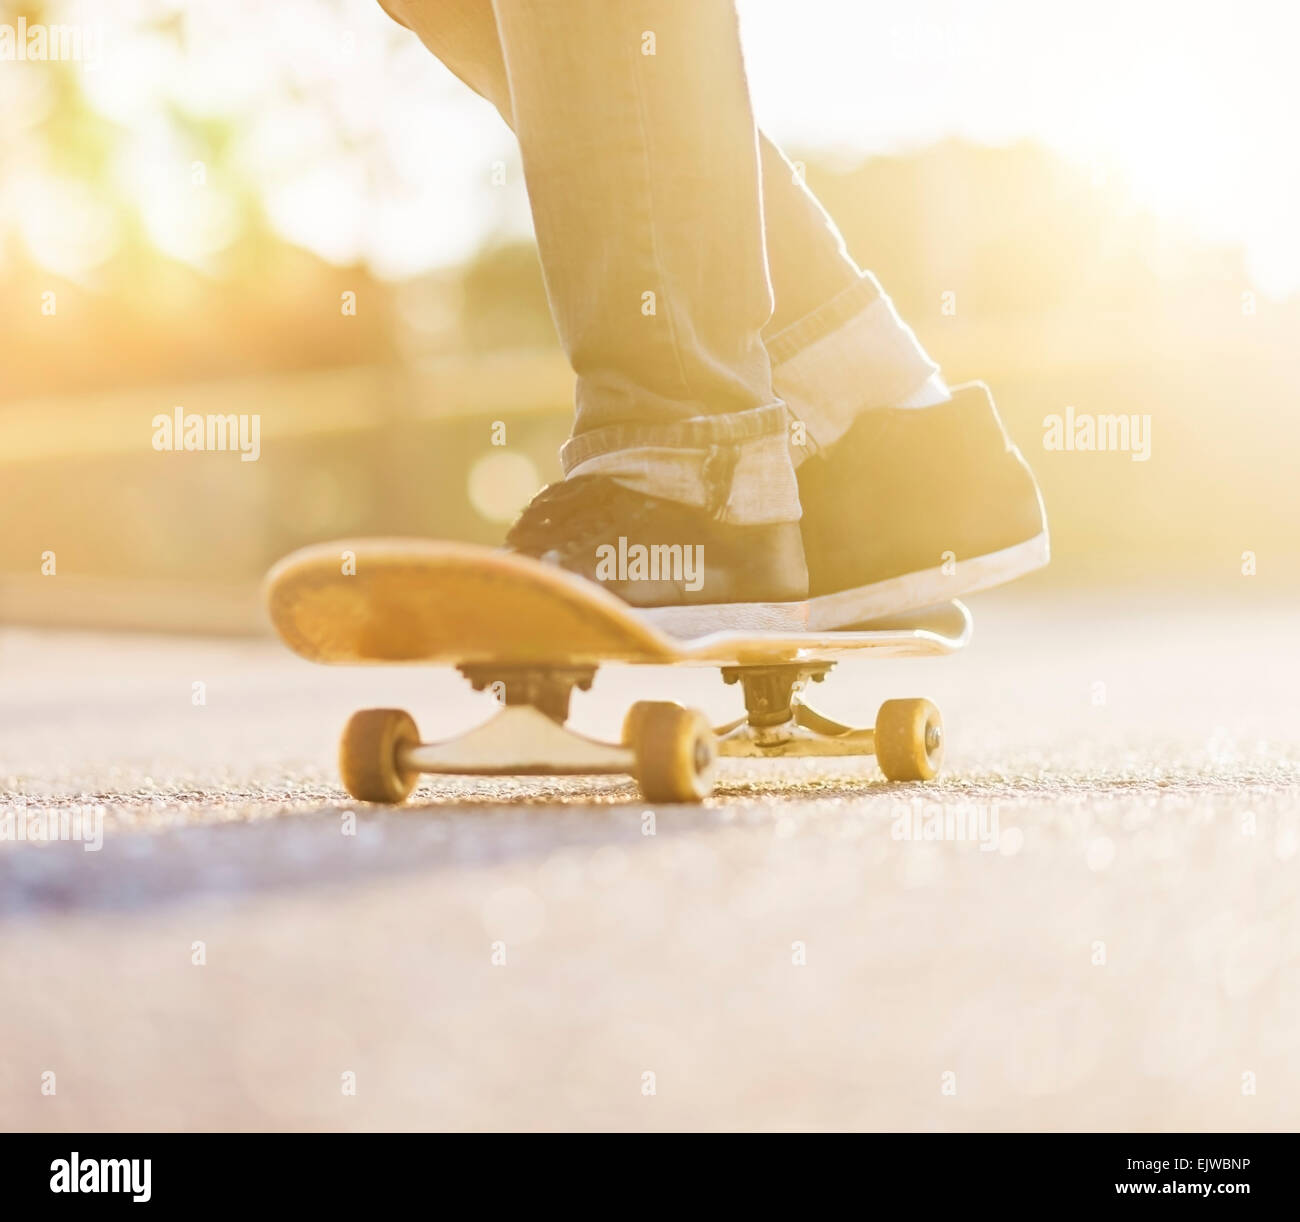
{"type": "Point", "coordinates": [423, 601]}
{"type": "Point", "coordinates": [531, 633]}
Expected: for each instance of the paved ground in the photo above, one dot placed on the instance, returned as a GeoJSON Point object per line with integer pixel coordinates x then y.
{"type": "Point", "coordinates": [1121, 951]}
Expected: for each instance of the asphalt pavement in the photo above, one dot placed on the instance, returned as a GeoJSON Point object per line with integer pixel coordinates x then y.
{"type": "Point", "coordinates": [1090, 921]}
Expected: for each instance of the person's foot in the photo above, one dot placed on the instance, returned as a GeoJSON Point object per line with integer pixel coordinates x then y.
{"type": "Point", "coordinates": [693, 573]}
{"type": "Point", "coordinates": [915, 506]}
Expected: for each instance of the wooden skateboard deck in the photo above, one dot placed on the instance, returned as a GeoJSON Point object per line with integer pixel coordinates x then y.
{"type": "Point", "coordinates": [532, 633]}
{"type": "Point", "coordinates": [416, 600]}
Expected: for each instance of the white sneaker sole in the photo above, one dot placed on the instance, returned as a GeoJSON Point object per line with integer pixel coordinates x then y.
{"type": "Point", "coordinates": [862, 604]}
{"type": "Point", "coordinates": [912, 591]}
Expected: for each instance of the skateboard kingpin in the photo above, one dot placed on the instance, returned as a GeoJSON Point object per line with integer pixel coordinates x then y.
{"type": "Point", "coordinates": [532, 633]}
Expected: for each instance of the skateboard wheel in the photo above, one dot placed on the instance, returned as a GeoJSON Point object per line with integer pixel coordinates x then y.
{"type": "Point", "coordinates": [675, 751]}
{"type": "Point", "coordinates": [637, 713]}
{"type": "Point", "coordinates": [368, 755]}
{"type": "Point", "coordinates": [909, 740]}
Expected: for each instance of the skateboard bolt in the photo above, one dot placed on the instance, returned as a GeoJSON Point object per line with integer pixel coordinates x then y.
{"type": "Point", "coordinates": [933, 738]}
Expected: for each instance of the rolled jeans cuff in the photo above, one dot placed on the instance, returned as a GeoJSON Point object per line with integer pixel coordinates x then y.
{"type": "Point", "coordinates": [851, 354]}
{"type": "Point", "coordinates": [737, 466]}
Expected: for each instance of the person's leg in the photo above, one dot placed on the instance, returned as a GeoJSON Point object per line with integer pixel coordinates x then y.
{"type": "Point", "coordinates": [837, 346]}
{"type": "Point", "coordinates": [649, 227]}
{"type": "Point", "coordinates": [900, 506]}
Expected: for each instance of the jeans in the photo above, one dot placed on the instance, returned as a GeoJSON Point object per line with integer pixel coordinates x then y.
{"type": "Point", "coordinates": [704, 298]}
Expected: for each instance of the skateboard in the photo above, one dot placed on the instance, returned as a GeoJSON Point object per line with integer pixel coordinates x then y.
{"type": "Point", "coordinates": [531, 633]}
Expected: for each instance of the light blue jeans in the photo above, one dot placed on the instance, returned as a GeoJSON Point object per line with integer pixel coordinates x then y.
{"type": "Point", "coordinates": [705, 299]}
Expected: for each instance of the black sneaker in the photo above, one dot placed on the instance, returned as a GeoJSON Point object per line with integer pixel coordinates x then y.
{"type": "Point", "coordinates": [692, 573]}
{"type": "Point", "coordinates": [915, 506]}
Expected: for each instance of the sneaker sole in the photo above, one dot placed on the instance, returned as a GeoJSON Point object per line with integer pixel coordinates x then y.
{"type": "Point", "coordinates": [924, 588]}
{"type": "Point", "coordinates": [860, 605]}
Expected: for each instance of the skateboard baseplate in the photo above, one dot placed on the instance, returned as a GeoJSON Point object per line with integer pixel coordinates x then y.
{"type": "Point", "coordinates": [531, 633]}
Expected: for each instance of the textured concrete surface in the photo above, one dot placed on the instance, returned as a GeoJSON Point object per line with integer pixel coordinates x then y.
{"type": "Point", "coordinates": [1116, 946]}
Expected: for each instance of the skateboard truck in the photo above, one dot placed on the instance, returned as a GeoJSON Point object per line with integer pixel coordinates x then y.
{"type": "Point", "coordinates": [778, 722]}
{"type": "Point", "coordinates": [547, 690]}
{"type": "Point", "coordinates": [670, 750]}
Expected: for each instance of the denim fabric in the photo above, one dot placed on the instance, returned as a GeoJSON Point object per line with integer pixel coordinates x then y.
{"type": "Point", "coordinates": [679, 247]}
